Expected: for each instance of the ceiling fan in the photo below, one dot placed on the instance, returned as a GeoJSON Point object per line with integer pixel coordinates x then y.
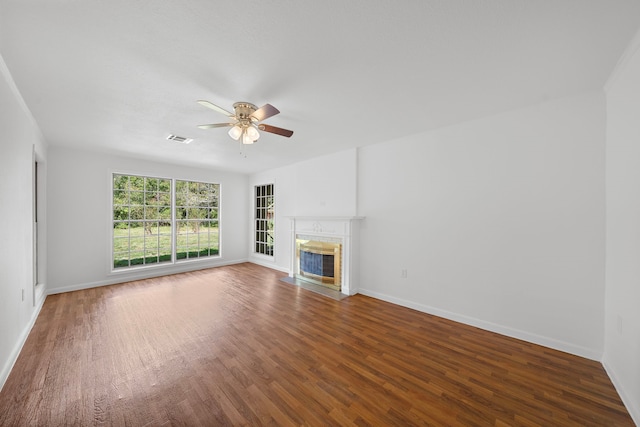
{"type": "Point", "coordinates": [246, 121]}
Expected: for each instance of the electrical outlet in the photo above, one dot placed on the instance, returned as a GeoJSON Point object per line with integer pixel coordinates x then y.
{"type": "Point", "coordinates": [403, 273]}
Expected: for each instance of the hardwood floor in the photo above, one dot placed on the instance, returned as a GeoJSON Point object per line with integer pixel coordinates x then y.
{"type": "Point", "coordinates": [236, 346]}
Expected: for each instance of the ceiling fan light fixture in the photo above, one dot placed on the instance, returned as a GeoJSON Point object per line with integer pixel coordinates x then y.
{"type": "Point", "coordinates": [253, 133]}
{"type": "Point", "coordinates": [235, 132]}
{"type": "Point", "coordinates": [247, 121]}
{"type": "Point", "coordinates": [246, 139]}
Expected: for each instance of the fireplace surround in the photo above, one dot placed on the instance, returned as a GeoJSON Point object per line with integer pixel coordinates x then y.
{"type": "Point", "coordinates": [325, 251]}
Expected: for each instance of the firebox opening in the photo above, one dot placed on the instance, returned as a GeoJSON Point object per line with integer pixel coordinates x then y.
{"type": "Point", "coordinates": [319, 262]}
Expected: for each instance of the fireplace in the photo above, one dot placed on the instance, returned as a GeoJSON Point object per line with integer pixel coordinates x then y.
{"type": "Point", "coordinates": [320, 262]}
{"type": "Point", "coordinates": [324, 251]}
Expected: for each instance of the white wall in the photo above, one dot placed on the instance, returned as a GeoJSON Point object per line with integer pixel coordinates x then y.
{"type": "Point", "coordinates": [323, 186]}
{"type": "Point", "coordinates": [19, 137]}
{"type": "Point", "coordinates": [499, 223]}
{"type": "Point", "coordinates": [326, 185]}
{"type": "Point", "coordinates": [79, 217]}
{"type": "Point", "coordinates": [622, 303]}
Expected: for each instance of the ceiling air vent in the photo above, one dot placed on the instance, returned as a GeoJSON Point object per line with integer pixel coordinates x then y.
{"type": "Point", "coordinates": [180, 139]}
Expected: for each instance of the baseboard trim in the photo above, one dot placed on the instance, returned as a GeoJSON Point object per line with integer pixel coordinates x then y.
{"type": "Point", "coordinates": [40, 293]}
{"type": "Point", "coordinates": [489, 326]}
{"type": "Point", "coordinates": [630, 404]}
{"type": "Point", "coordinates": [268, 264]}
{"type": "Point", "coordinates": [13, 357]}
{"type": "Point", "coordinates": [143, 274]}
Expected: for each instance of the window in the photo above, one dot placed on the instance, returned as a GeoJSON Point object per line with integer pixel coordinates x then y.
{"type": "Point", "coordinates": [143, 221]}
{"type": "Point", "coordinates": [196, 219]}
{"type": "Point", "coordinates": [264, 219]}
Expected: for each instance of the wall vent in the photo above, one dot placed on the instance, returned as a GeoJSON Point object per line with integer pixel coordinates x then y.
{"type": "Point", "coordinates": [180, 139]}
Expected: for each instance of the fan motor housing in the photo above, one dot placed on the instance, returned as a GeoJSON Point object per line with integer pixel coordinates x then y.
{"type": "Point", "coordinates": [244, 110]}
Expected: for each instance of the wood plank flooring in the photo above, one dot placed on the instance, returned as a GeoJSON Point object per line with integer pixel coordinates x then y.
{"type": "Point", "coordinates": [236, 346]}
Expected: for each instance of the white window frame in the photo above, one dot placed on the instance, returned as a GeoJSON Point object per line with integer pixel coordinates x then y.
{"type": "Point", "coordinates": [172, 220]}
{"type": "Point", "coordinates": [188, 208]}
{"type": "Point", "coordinates": [260, 216]}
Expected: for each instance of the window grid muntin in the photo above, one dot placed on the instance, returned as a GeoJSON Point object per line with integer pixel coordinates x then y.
{"type": "Point", "coordinates": [264, 219]}
{"type": "Point", "coordinates": [197, 206]}
{"type": "Point", "coordinates": [132, 211]}
{"type": "Point", "coordinates": [147, 204]}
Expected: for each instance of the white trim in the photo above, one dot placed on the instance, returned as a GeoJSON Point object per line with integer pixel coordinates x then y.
{"type": "Point", "coordinates": [272, 265]}
{"type": "Point", "coordinates": [13, 356]}
{"type": "Point", "coordinates": [160, 265]}
{"type": "Point", "coordinates": [40, 228]}
{"type": "Point", "coordinates": [110, 270]}
{"type": "Point", "coordinates": [174, 250]}
{"type": "Point", "coordinates": [219, 219]}
{"type": "Point", "coordinates": [34, 222]}
{"type": "Point", "coordinates": [174, 227]}
{"type": "Point", "coordinates": [489, 326]}
{"type": "Point", "coordinates": [325, 218]}
{"type": "Point", "coordinates": [40, 293]}
{"type": "Point", "coordinates": [4, 70]}
{"type": "Point", "coordinates": [146, 274]}
{"type": "Point", "coordinates": [343, 228]}
{"type": "Point", "coordinates": [262, 257]}
{"type": "Point", "coordinates": [632, 407]}
{"type": "Point", "coordinates": [629, 52]}
{"type": "Point", "coordinates": [254, 220]}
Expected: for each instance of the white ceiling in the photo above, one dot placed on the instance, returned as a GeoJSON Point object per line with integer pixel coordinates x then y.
{"type": "Point", "coordinates": [119, 76]}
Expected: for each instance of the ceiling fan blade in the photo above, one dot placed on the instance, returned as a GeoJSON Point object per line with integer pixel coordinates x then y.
{"type": "Point", "coordinates": [276, 130]}
{"type": "Point", "coordinates": [215, 125]}
{"type": "Point", "coordinates": [264, 112]}
{"type": "Point", "coordinates": [214, 107]}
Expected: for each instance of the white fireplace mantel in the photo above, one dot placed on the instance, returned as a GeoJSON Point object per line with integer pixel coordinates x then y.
{"type": "Point", "coordinates": [343, 228]}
